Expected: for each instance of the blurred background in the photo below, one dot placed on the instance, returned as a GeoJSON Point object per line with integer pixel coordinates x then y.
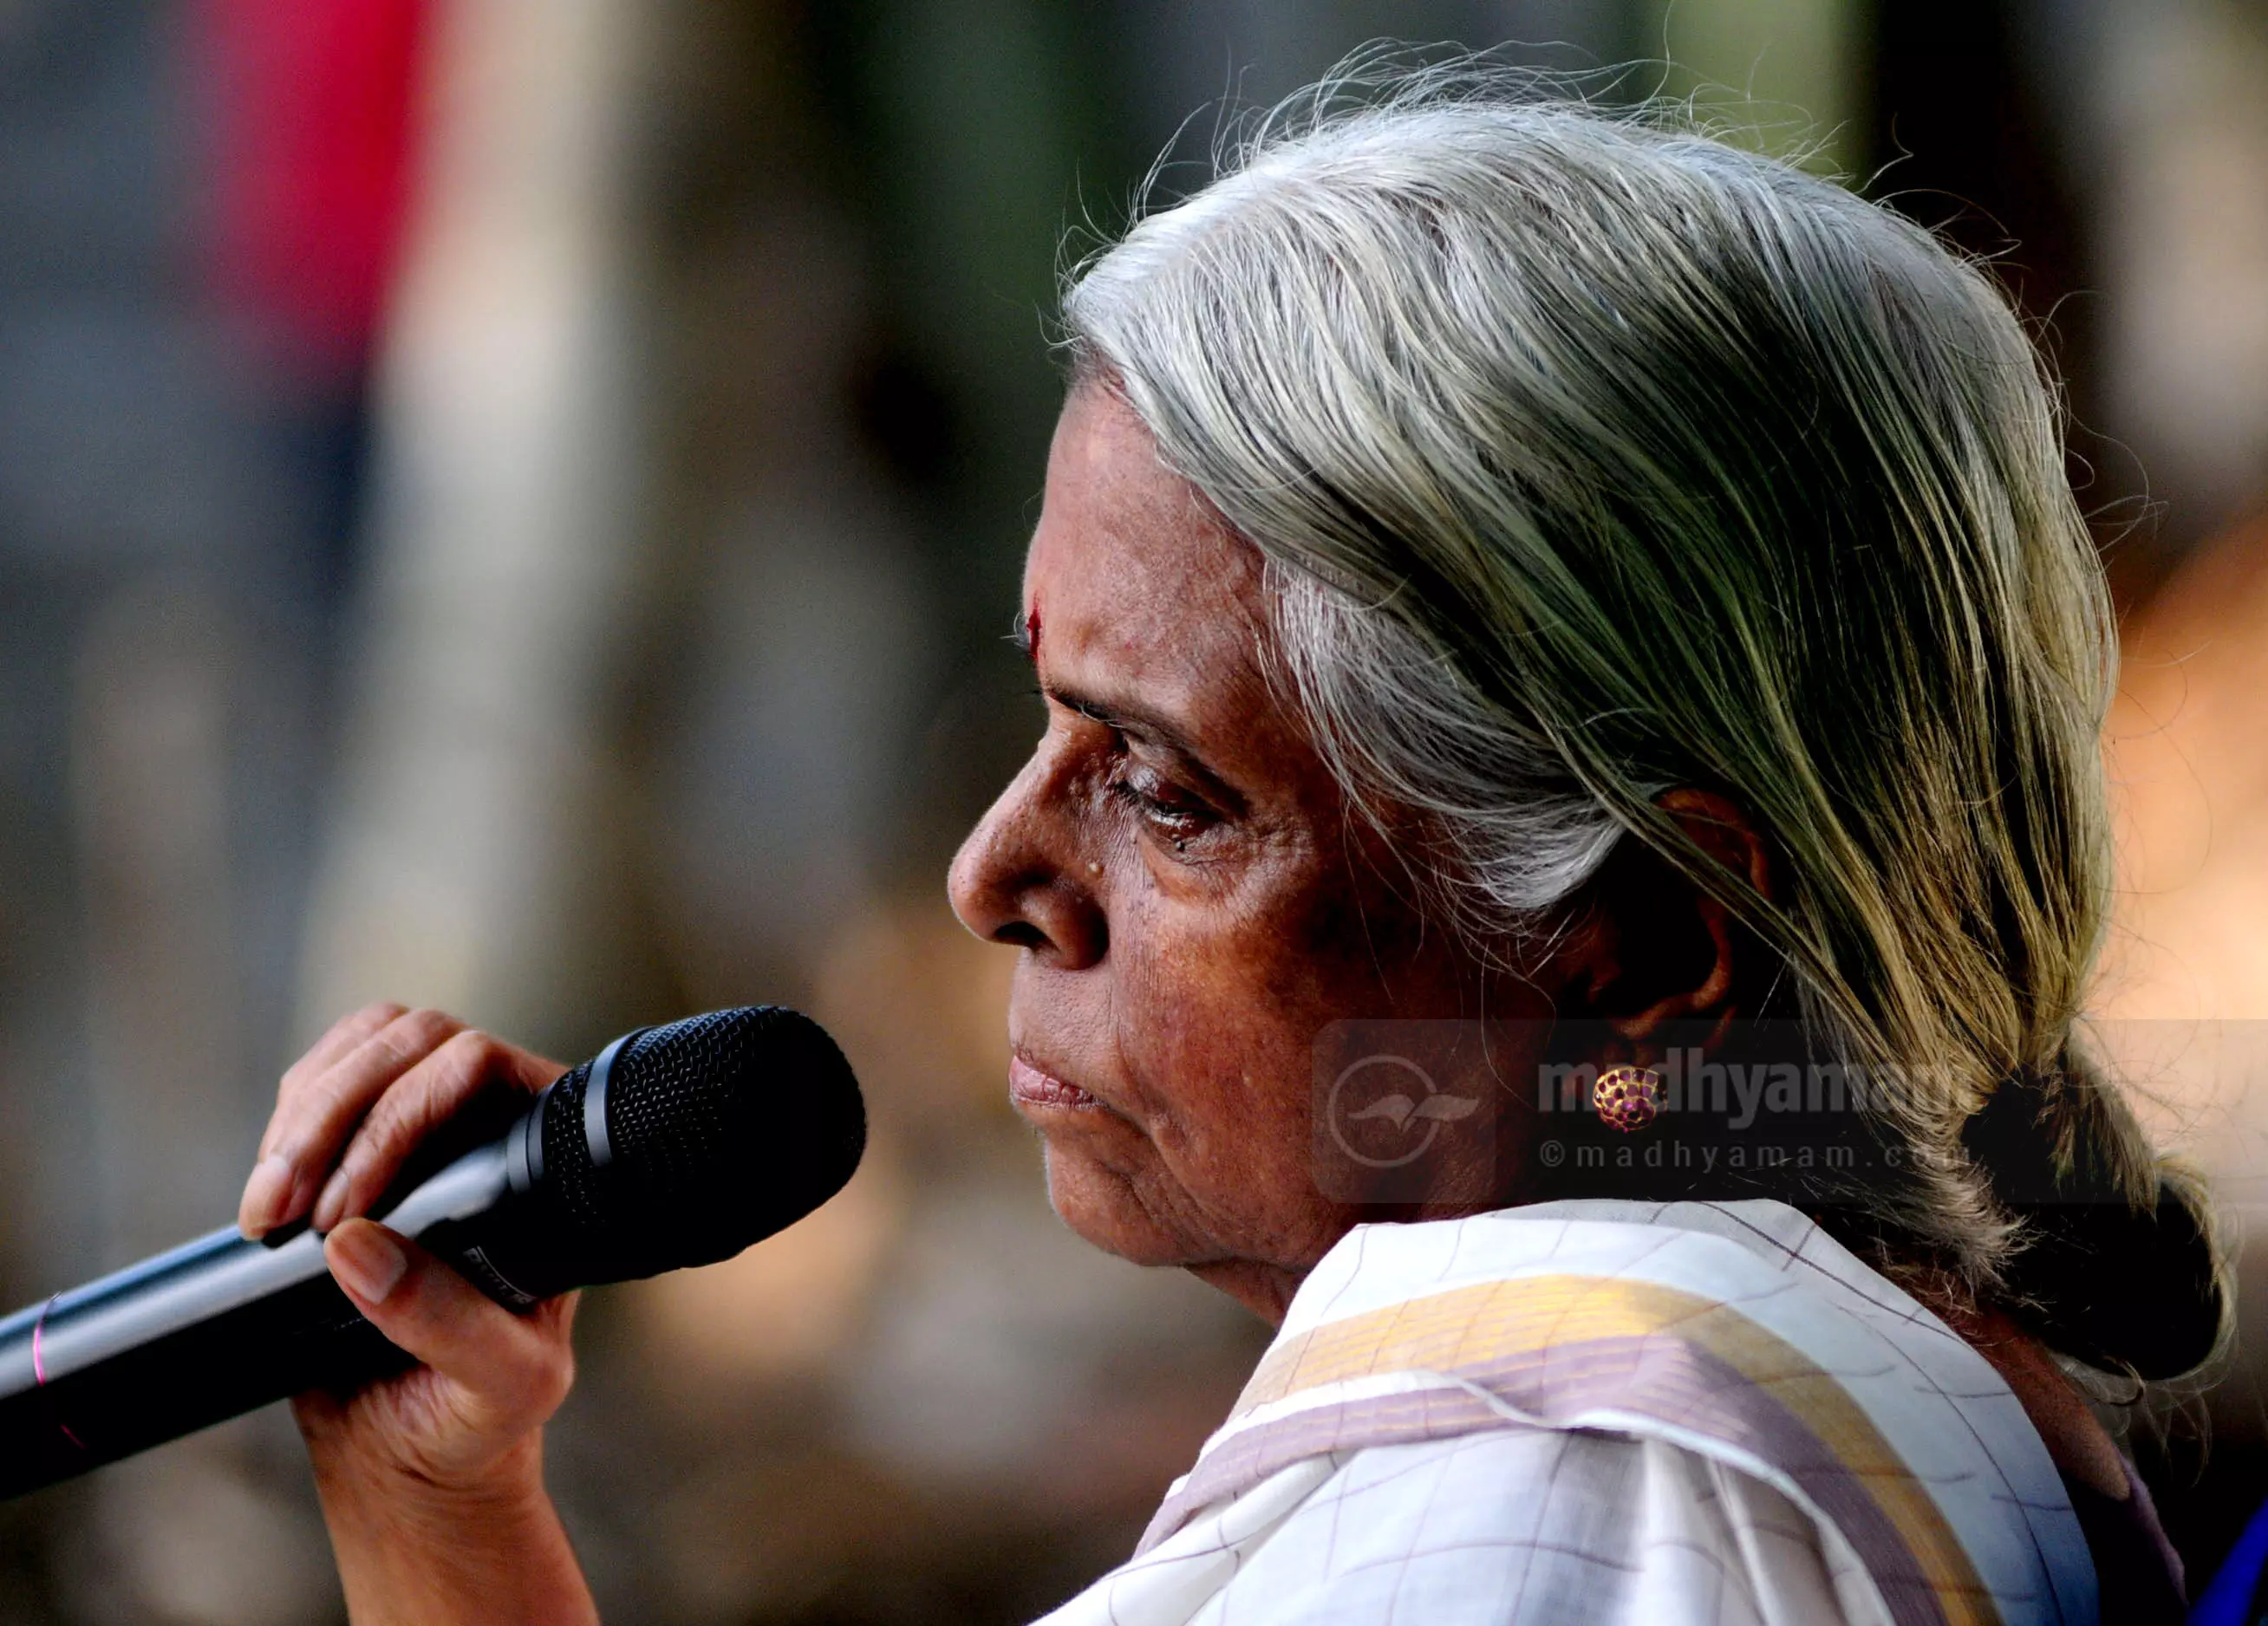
{"type": "Point", "coordinates": [513, 504]}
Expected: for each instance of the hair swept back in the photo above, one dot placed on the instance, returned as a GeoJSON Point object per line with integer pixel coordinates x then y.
{"type": "Point", "coordinates": [1592, 455]}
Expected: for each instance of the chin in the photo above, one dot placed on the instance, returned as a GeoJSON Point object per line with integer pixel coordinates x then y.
{"type": "Point", "coordinates": [1100, 1206]}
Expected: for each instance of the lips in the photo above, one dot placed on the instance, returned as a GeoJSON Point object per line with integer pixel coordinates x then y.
{"type": "Point", "coordinates": [1028, 1086]}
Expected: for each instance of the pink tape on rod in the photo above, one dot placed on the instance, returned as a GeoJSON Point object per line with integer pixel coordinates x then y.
{"type": "Point", "coordinates": [39, 1367]}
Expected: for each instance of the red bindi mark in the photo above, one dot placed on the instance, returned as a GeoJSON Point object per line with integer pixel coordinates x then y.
{"type": "Point", "coordinates": [1032, 632]}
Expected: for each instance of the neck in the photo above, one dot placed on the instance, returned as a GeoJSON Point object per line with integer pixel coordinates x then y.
{"type": "Point", "coordinates": [1265, 1290]}
{"type": "Point", "coordinates": [2077, 1442]}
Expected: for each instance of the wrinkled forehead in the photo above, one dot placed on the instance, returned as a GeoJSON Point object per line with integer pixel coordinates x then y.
{"type": "Point", "coordinates": [1131, 578]}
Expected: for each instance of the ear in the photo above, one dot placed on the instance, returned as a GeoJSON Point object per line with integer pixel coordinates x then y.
{"type": "Point", "coordinates": [1652, 947]}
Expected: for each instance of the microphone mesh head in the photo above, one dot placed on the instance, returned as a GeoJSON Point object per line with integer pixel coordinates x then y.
{"type": "Point", "coordinates": [723, 1129]}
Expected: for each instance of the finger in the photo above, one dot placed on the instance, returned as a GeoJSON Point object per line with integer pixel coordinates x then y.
{"type": "Point", "coordinates": [512, 1371]}
{"type": "Point", "coordinates": [345, 1036]}
{"type": "Point", "coordinates": [316, 1109]}
{"type": "Point", "coordinates": [264, 1189]}
{"type": "Point", "coordinates": [416, 1104]}
{"type": "Point", "coordinates": [320, 1111]}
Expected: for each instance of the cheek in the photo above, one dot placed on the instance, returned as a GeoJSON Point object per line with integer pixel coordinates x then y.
{"type": "Point", "coordinates": [1215, 1033]}
{"type": "Point", "coordinates": [1218, 1012]}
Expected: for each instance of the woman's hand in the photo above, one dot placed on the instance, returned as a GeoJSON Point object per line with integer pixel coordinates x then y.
{"type": "Point", "coordinates": [431, 1482]}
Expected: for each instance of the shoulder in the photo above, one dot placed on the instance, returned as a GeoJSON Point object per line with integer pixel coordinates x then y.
{"type": "Point", "coordinates": [1520, 1525]}
{"type": "Point", "coordinates": [1698, 1413]}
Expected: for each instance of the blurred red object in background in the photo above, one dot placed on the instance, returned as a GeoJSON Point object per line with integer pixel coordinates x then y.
{"type": "Point", "coordinates": [312, 112]}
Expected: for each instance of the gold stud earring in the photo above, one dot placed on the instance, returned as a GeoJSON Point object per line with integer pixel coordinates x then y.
{"type": "Point", "coordinates": [1627, 1098]}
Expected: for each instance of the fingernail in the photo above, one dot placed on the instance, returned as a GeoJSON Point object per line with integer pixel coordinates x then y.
{"type": "Point", "coordinates": [364, 1257]}
{"type": "Point", "coordinates": [265, 1194]}
{"type": "Point", "coordinates": [330, 1207]}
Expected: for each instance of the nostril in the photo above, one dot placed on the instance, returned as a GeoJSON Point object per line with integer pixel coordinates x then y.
{"type": "Point", "coordinates": [1020, 934]}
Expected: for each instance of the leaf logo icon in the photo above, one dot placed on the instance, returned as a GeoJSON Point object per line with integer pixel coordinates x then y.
{"type": "Point", "coordinates": [1396, 1109]}
{"type": "Point", "coordinates": [1445, 1108]}
{"type": "Point", "coordinates": [1417, 1111]}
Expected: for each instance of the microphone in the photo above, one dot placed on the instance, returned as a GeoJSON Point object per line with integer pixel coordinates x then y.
{"type": "Point", "coordinates": [673, 1146]}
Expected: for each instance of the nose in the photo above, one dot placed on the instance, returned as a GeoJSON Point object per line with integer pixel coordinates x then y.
{"type": "Point", "coordinates": [1018, 878]}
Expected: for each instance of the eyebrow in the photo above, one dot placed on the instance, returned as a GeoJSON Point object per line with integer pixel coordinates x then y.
{"type": "Point", "coordinates": [1140, 723]}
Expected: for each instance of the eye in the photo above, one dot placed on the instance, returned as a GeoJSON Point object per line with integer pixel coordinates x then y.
{"type": "Point", "coordinates": [1171, 812]}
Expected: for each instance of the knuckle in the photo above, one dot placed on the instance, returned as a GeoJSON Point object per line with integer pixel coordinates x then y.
{"type": "Point", "coordinates": [325, 1108]}
{"type": "Point", "coordinates": [552, 1377]}
{"type": "Point", "coordinates": [373, 1017]}
{"type": "Point", "coordinates": [293, 1144]}
{"type": "Point", "coordinates": [470, 1047]}
{"type": "Point", "coordinates": [279, 1122]}
{"type": "Point", "coordinates": [338, 1042]}
{"type": "Point", "coordinates": [394, 1123]}
{"type": "Point", "coordinates": [417, 1034]}
{"type": "Point", "coordinates": [470, 1060]}
{"type": "Point", "coordinates": [301, 1077]}
{"type": "Point", "coordinates": [387, 1139]}
{"type": "Point", "coordinates": [355, 1160]}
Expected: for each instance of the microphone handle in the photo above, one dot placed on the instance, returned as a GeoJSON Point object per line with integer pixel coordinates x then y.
{"type": "Point", "coordinates": [223, 1325]}
{"type": "Point", "coordinates": [183, 1371]}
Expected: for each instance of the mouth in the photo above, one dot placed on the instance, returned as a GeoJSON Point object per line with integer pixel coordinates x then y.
{"type": "Point", "coordinates": [1028, 1086]}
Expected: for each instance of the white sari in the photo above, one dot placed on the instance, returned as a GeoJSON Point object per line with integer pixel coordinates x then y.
{"type": "Point", "coordinates": [1611, 1412]}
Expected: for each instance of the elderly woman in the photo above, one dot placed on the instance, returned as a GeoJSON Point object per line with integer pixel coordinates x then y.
{"type": "Point", "coordinates": [1564, 611]}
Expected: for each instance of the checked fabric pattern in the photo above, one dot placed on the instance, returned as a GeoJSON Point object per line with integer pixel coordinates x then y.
{"type": "Point", "coordinates": [1605, 1411]}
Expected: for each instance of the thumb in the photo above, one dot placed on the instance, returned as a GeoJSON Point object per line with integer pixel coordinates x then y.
{"type": "Point", "coordinates": [515, 1370]}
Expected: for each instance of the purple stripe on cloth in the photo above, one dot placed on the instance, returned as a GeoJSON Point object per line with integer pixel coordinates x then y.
{"type": "Point", "coordinates": [1657, 1376]}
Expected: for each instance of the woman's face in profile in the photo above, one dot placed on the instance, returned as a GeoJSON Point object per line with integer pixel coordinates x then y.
{"type": "Point", "coordinates": [1195, 900]}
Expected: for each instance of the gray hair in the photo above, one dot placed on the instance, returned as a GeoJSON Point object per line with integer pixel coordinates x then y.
{"type": "Point", "coordinates": [1592, 456]}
